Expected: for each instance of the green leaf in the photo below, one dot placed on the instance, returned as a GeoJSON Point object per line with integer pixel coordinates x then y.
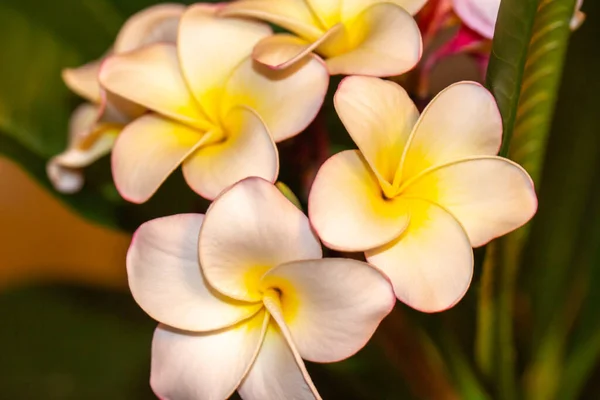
{"type": "Point", "coordinates": [524, 74]}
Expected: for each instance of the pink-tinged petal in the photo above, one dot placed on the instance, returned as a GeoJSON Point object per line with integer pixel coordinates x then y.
{"type": "Point", "coordinates": [384, 40]}
{"type": "Point", "coordinates": [490, 196]}
{"type": "Point", "coordinates": [293, 15]}
{"type": "Point", "coordinates": [287, 100]}
{"type": "Point", "coordinates": [431, 263]}
{"type": "Point", "coordinates": [578, 16]}
{"type": "Point", "coordinates": [379, 116]}
{"type": "Point", "coordinates": [282, 50]}
{"type": "Point", "coordinates": [348, 208]}
{"type": "Point", "coordinates": [275, 374]}
{"type": "Point", "coordinates": [154, 24]}
{"type": "Point", "coordinates": [147, 151]}
{"type": "Point", "coordinates": [351, 8]}
{"type": "Point", "coordinates": [331, 306]}
{"type": "Point", "coordinates": [204, 366]}
{"type": "Point", "coordinates": [210, 48]}
{"type": "Point", "coordinates": [247, 150]}
{"type": "Point", "coordinates": [479, 15]}
{"type": "Point", "coordinates": [462, 121]}
{"type": "Point", "coordinates": [151, 77]}
{"type": "Point", "coordinates": [249, 229]}
{"type": "Point", "coordinates": [166, 281]}
{"type": "Point", "coordinates": [84, 81]}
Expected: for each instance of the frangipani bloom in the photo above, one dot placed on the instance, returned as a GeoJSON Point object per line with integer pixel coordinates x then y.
{"type": "Point", "coordinates": [215, 111]}
{"type": "Point", "coordinates": [261, 301]}
{"type": "Point", "coordinates": [357, 37]}
{"type": "Point", "coordinates": [481, 15]}
{"type": "Point", "coordinates": [95, 125]}
{"type": "Point", "coordinates": [421, 190]}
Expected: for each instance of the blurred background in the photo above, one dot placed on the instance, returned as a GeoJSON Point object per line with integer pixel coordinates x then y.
{"type": "Point", "coordinates": [69, 328]}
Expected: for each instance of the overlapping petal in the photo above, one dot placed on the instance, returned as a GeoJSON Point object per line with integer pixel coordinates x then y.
{"type": "Point", "coordinates": [151, 77]}
{"type": "Point", "coordinates": [379, 116]}
{"type": "Point", "coordinates": [287, 100]}
{"type": "Point", "coordinates": [490, 196]}
{"type": "Point", "coordinates": [205, 40]}
{"type": "Point", "coordinates": [166, 281]}
{"type": "Point", "coordinates": [462, 121]}
{"type": "Point", "coordinates": [384, 40]}
{"type": "Point", "coordinates": [154, 24]}
{"type": "Point", "coordinates": [204, 366]}
{"type": "Point", "coordinates": [348, 208]}
{"type": "Point", "coordinates": [147, 151]}
{"type": "Point", "coordinates": [246, 149]}
{"type": "Point", "coordinates": [275, 373]}
{"type": "Point", "coordinates": [331, 306]}
{"type": "Point", "coordinates": [431, 263]}
{"type": "Point", "coordinates": [249, 229]}
{"type": "Point", "coordinates": [84, 81]}
{"type": "Point", "coordinates": [351, 8]}
{"type": "Point", "coordinates": [479, 15]}
{"type": "Point", "coordinates": [294, 15]}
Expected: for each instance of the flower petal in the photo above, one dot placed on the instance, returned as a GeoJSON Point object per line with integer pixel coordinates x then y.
{"type": "Point", "coordinates": [84, 81]}
{"type": "Point", "coordinates": [331, 306]}
{"type": "Point", "coordinates": [249, 229]}
{"type": "Point", "coordinates": [205, 40]}
{"type": "Point", "coordinates": [166, 281]}
{"type": "Point", "coordinates": [479, 15]}
{"type": "Point", "coordinates": [147, 151]}
{"type": "Point", "coordinates": [327, 11]}
{"type": "Point", "coordinates": [154, 24]}
{"type": "Point", "coordinates": [275, 374]}
{"type": "Point", "coordinates": [348, 209]}
{"type": "Point", "coordinates": [248, 150]}
{"type": "Point", "coordinates": [462, 121]}
{"type": "Point", "coordinates": [204, 366]}
{"type": "Point", "coordinates": [282, 50]}
{"type": "Point", "coordinates": [293, 15]}
{"type": "Point", "coordinates": [150, 77]}
{"type": "Point", "coordinates": [490, 196]}
{"type": "Point", "coordinates": [384, 40]}
{"type": "Point", "coordinates": [431, 264]}
{"type": "Point", "coordinates": [379, 116]}
{"type": "Point", "coordinates": [351, 8]}
{"type": "Point", "coordinates": [287, 101]}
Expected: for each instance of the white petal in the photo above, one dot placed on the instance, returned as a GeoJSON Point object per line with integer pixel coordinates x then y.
{"type": "Point", "coordinates": [431, 264]}
{"type": "Point", "coordinates": [248, 150]}
{"type": "Point", "coordinates": [479, 15]}
{"type": "Point", "coordinates": [166, 281]}
{"type": "Point", "coordinates": [204, 366]}
{"type": "Point", "coordinates": [275, 374]}
{"type": "Point", "coordinates": [287, 100]}
{"type": "Point", "coordinates": [384, 40]}
{"type": "Point", "coordinates": [352, 8]}
{"type": "Point", "coordinates": [84, 81]}
{"type": "Point", "coordinates": [147, 151]}
{"type": "Point", "coordinates": [248, 230]}
{"type": "Point", "coordinates": [331, 306]}
{"type": "Point", "coordinates": [348, 208]}
{"type": "Point", "coordinates": [151, 77]}
{"type": "Point", "coordinates": [490, 196]}
{"type": "Point", "coordinates": [154, 24]}
{"type": "Point", "coordinates": [462, 121]}
{"type": "Point", "coordinates": [210, 48]}
{"type": "Point", "coordinates": [379, 115]}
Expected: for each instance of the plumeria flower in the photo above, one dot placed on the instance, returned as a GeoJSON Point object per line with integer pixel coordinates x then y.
{"type": "Point", "coordinates": [366, 37]}
{"type": "Point", "coordinates": [214, 111]}
{"type": "Point", "coordinates": [261, 300]}
{"type": "Point", "coordinates": [421, 191]}
{"type": "Point", "coordinates": [95, 124]}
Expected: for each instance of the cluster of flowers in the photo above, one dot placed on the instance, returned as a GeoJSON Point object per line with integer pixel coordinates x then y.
{"type": "Point", "coordinates": [243, 293]}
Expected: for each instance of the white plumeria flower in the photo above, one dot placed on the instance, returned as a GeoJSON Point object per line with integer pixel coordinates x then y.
{"type": "Point", "coordinates": [357, 37]}
{"type": "Point", "coordinates": [481, 15]}
{"type": "Point", "coordinates": [260, 301]}
{"type": "Point", "coordinates": [95, 124]}
{"type": "Point", "coordinates": [215, 111]}
{"type": "Point", "coordinates": [421, 190]}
